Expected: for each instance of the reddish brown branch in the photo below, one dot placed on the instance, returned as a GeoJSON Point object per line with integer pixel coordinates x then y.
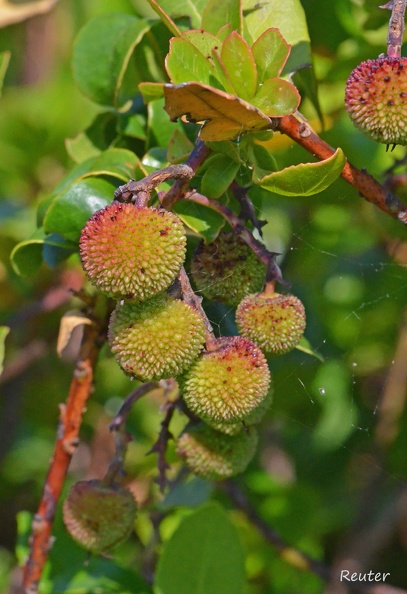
{"type": "Point", "coordinates": [67, 440]}
{"type": "Point", "coordinates": [368, 187]}
{"type": "Point", "coordinates": [396, 27]}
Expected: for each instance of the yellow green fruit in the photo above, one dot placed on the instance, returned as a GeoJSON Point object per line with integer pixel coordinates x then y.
{"type": "Point", "coordinates": [158, 338]}
{"type": "Point", "coordinates": [227, 269]}
{"type": "Point", "coordinates": [226, 383]}
{"type": "Point", "coordinates": [99, 517]}
{"type": "Point", "coordinates": [274, 322]}
{"type": "Point", "coordinates": [253, 418]}
{"type": "Point", "coordinates": [214, 455]}
{"type": "Point", "coordinates": [376, 99]}
{"type": "Point", "coordinates": [132, 252]}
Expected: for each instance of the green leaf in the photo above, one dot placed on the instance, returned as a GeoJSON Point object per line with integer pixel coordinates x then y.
{"type": "Point", "coordinates": [56, 249]}
{"type": "Point", "coordinates": [151, 91]}
{"type": "Point", "coordinates": [4, 62]}
{"type": "Point", "coordinates": [26, 256]}
{"type": "Point", "coordinates": [190, 8]}
{"type": "Point", "coordinates": [185, 63]}
{"type": "Point", "coordinates": [4, 330]}
{"type": "Point", "coordinates": [102, 52]}
{"type": "Point", "coordinates": [72, 208]}
{"type": "Point", "coordinates": [305, 347]}
{"type": "Point", "coordinates": [270, 52]}
{"type": "Point", "coordinates": [218, 13]}
{"type": "Point", "coordinates": [305, 179]}
{"type": "Point", "coordinates": [220, 173]}
{"type": "Point", "coordinates": [240, 65]}
{"type": "Point", "coordinates": [166, 19]}
{"type": "Point", "coordinates": [277, 98]}
{"type": "Point", "coordinates": [133, 125]}
{"type": "Point", "coordinates": [179, 147]}
{"type": "Point", "coordinates": [205, 42]}
{"type": "Point", "coordinates": [202, 220]}
{"type": "Point", "coordinates": [203, 556]}
{"type": "Point", "coordinates": [160, 127]}
{"type": "Point", "coordinates": [260, 157]}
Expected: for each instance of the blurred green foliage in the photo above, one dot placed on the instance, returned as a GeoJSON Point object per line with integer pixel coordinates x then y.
{"type": "Point", "coordinates": [325, 471]}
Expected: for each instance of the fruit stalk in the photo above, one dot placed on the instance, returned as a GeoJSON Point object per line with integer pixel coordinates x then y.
{"type": "Point", "coordinates": [396, 27]}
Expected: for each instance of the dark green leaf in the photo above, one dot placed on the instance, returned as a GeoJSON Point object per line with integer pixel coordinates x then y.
{"type": "Point", "coordinates": [305, 179]}
{"type": "Point", "coordinates": [203, 556]}
{"type": "Point", "coordinates": [277, 98]}
{"type": "Point", "coordinates": [72, 208]}
{"type": "Point", "coordinates": [133, 125]}
{"type": "Point", "coordinates": [4, 330]}
{"type": "Point", "coordinates": [102, 52]}
{"type": "Point", "coordinates": [218, 13]}
{"type": "Point", "coordinates": [26, 257]}
{"type": "Point", "coordinates": [205, 222]}
{"type": "Point", "coordinates": [270, 52]}
{"type": "Point", "coordinates": [240, 65]}
{"type": "Point", "coordinates": [179, 147]}
{"type": "Point", "coordinates": [220, 173]}
{"type": "Point", "coordinates": [56, 249]}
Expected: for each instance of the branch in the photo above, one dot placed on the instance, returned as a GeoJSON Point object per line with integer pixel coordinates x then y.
{"type": "Point", "coordinates": [368, 187]}
{"type": "Point", "coordinates": [396, 27]}
{"type": "Point", "coordinates": [65, 446]}
{"type": "Point", "coordinates": [192, 299]}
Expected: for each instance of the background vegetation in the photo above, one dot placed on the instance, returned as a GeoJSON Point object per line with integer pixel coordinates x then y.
{"type": "Point", "coordinates": [330, 471]}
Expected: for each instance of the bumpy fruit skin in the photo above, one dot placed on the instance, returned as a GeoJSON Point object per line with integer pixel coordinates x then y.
{"type": "Point", "coordinates": [214, 455]}
{"type": "Point", "coordinates": [253, 418]}
{"type": "Point", "coordinates": [226, 270]}
{"type": "Point", "coordinates": [376, 99]}
{"type": "Point", "coordinates": [132, 252]}
{"type": "Point", "coordinates": [226, 384]}
{"type": "Point", "coordinates": [99, 517]}
{"type": "Point", "coordinates": [275, 323]}
{"type": "Point", "coordinates": [156, 339]}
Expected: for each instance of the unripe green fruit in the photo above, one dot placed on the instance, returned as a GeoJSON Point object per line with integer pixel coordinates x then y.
{"type": "Point", "coordinates": [226, 383]}
{"type": "Point", "coordinates": [376, 99]}
{"type": "Point", "coordinates": [132, 252]}
{"type": "Point", "coordinates": [227, 269]}
{"type": "Point", "coordinates": [253, 418]}
{"type": "Point", "coordinates": [156, 339]}
{"type": "Point", "coordinates": [99, 517]}
{"type": "Point", "coordinates": [274, 322]}
{"type": "Point", "coordinates": [214, 455]}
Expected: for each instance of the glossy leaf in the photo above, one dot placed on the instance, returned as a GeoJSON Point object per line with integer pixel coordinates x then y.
{"type": "Point", "coordinates": [205, 222]}
{"type": "Point", "coordinates": [305, 179]}
{"type": "Point", "coordinates": [102, 52]}
{"type": "Point", "coordinates": [270, 52]}
{"type": "Point", "coordinates": [240, 65]}
{"type": "Point", "coordinates": [222, 74]}
{"type": "Point", "coordinates": [185, 63]}
{"type": "Point", "coordinates": [190, 8]}
{"type": "Point", "coordinates": [226, 116]}
{"type": "Point", "coordinates": [277, 98]}
{"type": "Point", "coordinates": [56, 249]}
{"type": "Point", "coordinates": [218, 13]}
{"type": "Point", "coordinates": [204, 555]}
{"type": "Point", "coordinates": [73, 207]}
{"type": "Point", "coordinates": [4, 330]}
{"type": "Point", "coordinates": [220, 173]}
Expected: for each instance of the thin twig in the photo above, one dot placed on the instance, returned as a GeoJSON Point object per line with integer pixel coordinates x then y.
{"type": "Point", "coordinates": [160, 446]}
{"type": "Point", "coordinates": [178, 189]}
{"type": "Point", "coordinates": [368, 187]}
{"type": "Point", "coordinates": [65, 446]}
{"type": "Point", "coordinates": [192, 299]}
{"type": "Point", "coordinates": [273, 272]}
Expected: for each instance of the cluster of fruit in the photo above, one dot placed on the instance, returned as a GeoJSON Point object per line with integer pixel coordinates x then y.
{"type": "Point", "coordinates": [134, 254]}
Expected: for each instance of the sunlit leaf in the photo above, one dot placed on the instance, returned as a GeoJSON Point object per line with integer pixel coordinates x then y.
{"type": "Point", "coordinates": [226, 116]}
{"type": "Point", "coordinates": [189, 8]}
{"type": "Point", "coordinates": [240, 65]}
{"type": "Point", "coordinates": [185, 63]}
{"type": "Point", "coordinates": [270, 52]}
{"type": "Point", "coordinates": [151, 91]}
{"type": "Point", "coordinates": [210, 562]}
{"type": "Point", "coordinates": [277, 98]}
{"type": "Point", "coordinates": [102, 52]}
{"type": "Point", "coordinates": [218, 13]}
{"type": "Point", "coordinates": [204, 41]}
{"type": "Point", "coordinates": [164, 16]}
{"type": "Point", "coordinates": [4, 62]}
{"type": "Point", "coordinates": [305, 179]}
